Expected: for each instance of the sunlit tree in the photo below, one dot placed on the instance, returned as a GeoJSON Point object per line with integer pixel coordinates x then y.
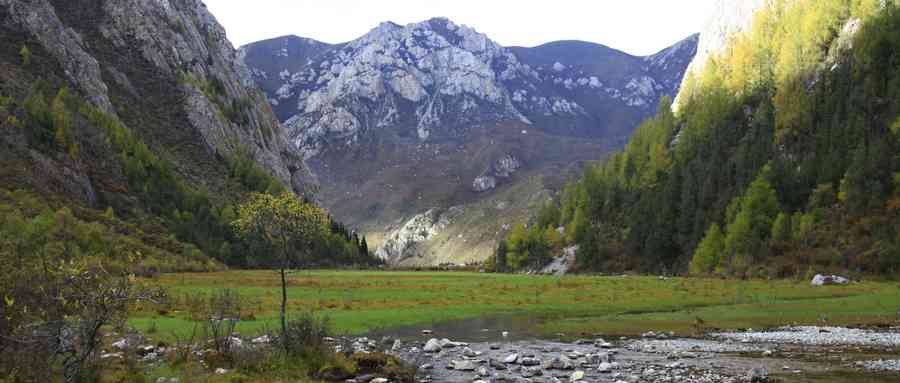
{"type": "Point", "coordinates": [288, 226]}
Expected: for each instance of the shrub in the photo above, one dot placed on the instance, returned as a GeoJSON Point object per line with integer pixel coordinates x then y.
{"type": "Point", "coordinates": [25, 54]}
{"type": "Point", "coordinates": [40, 120]}
{"type": "Point", "coordinates": [306, 334]}
{"type": "Point", "coordinates": [5, 103]}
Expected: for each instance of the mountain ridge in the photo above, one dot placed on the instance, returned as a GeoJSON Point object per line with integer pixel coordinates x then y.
{"type": "Point", "coordinates": [418, 118]}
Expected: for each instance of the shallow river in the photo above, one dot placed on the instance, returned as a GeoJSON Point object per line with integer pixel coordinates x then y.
{"type": "Point", "coordinates": [503, 349]}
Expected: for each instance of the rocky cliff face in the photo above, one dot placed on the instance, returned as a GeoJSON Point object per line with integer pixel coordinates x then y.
{"type": "Point", "coordinates": [409, 120]}
{"type": "Point", "coordinates": [165, 69]}
{"type": "Point", "coordinates": [435, 77]}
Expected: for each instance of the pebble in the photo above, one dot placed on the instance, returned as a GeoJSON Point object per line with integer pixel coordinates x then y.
{"type": "Point", "coordinates": [880, 365]}
{"type": "Point", "coordinates": [817, 336]}
{"type": "Point", "coordinates": [576, 376]}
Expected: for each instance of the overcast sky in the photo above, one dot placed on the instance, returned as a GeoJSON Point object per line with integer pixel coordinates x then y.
{"type": "Point", "coordinates": [638, 27]}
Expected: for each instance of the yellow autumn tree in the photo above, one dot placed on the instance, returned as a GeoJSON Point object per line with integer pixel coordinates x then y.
{"type": "Point", "coordinates": [288, 226]}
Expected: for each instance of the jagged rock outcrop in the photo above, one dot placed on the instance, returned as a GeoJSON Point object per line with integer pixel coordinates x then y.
{"type": "Point", "coordinates": [484, 183]}
{"type": "Point", "coordinates": [166, 69]}
{"type": "Point", "coordinates": [417, 229]}
{"type": "Point", "coordinates": [506, 166]}
{"type": "Point", "coordinates": [501, 169]}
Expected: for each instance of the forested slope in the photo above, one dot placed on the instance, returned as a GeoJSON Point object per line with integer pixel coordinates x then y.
{"type": "Point", "coordinates": [133, 122]}
{"type": "Point", "coordinates": [782, 159]}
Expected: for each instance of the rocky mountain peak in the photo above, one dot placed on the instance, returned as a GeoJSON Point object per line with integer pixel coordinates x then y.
{"type": "Point", "coordinates": [429, 79]}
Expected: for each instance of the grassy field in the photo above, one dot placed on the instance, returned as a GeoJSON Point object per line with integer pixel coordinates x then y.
{"type": "Point", "coordinates": [358, 302]}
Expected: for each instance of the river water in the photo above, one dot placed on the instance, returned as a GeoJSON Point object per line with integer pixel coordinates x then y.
{"type": "Point", "coordinates": [490, 340]}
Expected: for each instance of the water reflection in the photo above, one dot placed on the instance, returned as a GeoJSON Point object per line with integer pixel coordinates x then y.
{"type": "Point", "coordinates": [476, 330]}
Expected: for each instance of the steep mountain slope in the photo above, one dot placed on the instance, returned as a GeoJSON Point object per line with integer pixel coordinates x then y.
{"type": "Point", "coordinates": [134, 53]}
{"type": "Point", "coordinates": [283, 57]}
{"type": "Point", "coordinates": [418, 119]}
{"type": "Point", "coordinates": [780, 161]}
{"type": "Point", "coordinates": [143, 107]}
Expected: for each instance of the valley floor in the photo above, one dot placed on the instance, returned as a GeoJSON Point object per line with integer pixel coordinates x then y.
{"type": "Point", "coordinates": [659, 329]}
{"type": "Point", "coordinates": [367, 302]}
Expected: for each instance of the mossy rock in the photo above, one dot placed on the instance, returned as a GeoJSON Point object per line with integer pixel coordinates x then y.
{"type": "Point", "coordinates": [373, 362]}
{"type": "Point", "coordinates": [385, 365]}
{"type": "Point", "coordinates": [333, 373]}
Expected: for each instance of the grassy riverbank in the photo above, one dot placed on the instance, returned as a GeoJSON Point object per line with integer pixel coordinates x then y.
{"type": "Point", "coordinates": [358, 302]}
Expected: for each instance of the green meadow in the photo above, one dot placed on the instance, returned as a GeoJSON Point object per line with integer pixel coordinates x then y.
{"type": "Point", "coordinates": [364, 301]}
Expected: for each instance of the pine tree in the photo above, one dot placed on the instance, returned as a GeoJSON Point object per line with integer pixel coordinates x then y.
{"type": "Point", "coordinates": [706, 257]}
{"type": "Point", "coordinates": [25, 54]}
{"type": "Point", "coordinates": [549, 215]}
{"type": "Point", "coordinates": [517, 249]}
{"type": "Point", "coordinates": [62, 122]}
{"type": "Point", "coordinates": [752, 225]}
{"type": "Point", "coordinates": [364, 247]}
{"type": "Point", "coordinates": [781, 229]}
{"type": "Point", "coordinates": [500, 257]}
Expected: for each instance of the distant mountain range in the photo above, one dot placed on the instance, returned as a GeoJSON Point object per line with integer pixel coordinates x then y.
{"type": "Point", "coordinates": [434, 117]}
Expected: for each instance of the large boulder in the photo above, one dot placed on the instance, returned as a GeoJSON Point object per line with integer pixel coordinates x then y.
{"type": "Point", "coordinates": [462, 365]}
{"type": "Point", "coordinates": [433, 345]}
{"type": "Point", "coordinates": [528, 372]}
{"type": "Point", "coordinates": [825, 280]}
{"type": "Point", "coordinates": [758, 375]}
{"type": "Point", "coordinates": [484, 183]}
{"type": "Point", "coordinates": [530, 362]}
{"type": "Point", "coordinates": [576, 376]}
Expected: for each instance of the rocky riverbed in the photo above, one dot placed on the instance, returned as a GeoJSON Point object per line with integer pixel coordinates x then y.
{"type": "Point", "coordinates": [796, 354]}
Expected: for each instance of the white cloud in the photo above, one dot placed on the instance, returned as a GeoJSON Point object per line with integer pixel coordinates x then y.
{"type": "Point", "coordinates": [635, 26]}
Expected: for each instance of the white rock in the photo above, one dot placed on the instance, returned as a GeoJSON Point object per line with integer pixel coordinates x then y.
{"type": "Point", "coordinates": [121, 344]}
{"type": "Point", "coordinates": [484, 183]}
{"type": "Point", "coordinates": [462, 365]}
{"type": "Point", "coordinates": [433, 345]}
{"type": "Point", "coordinates": [576, 376]}
{"type": "Point", "coordinates": [824, 280]}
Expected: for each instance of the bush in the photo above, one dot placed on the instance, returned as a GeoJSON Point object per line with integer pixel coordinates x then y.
{"type": "Point", "coordinates": [306, 334]}
{"type": "Point", "coordinates": [5, 103]}
{"type": "Point", "coordinates": [223, 315]}
{"type": "Point", "coordinates": [40, 120]}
